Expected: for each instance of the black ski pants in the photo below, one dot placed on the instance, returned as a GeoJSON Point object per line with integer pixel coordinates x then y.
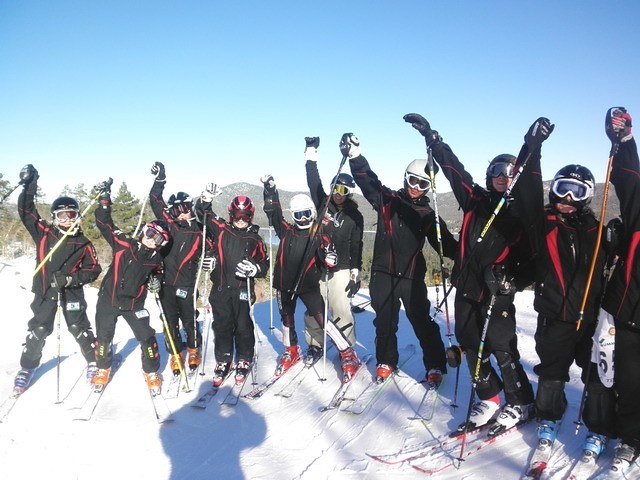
{"type": "Point", "coordinates": [177, 303]}
{"type": "Point", "coordinates": [387, 292]}
{"type": "Point", "coordinates": [232, 324]}
{"type": "Point", "coordinates": [627, 384]}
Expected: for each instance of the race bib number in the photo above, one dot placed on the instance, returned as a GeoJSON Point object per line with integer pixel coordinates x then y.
{"type": "Point", "coordinates": [604, 348]}
{"type": "Point", "coordinates": [244, 296]}
{"type": "Point", "coordinates": [142, 313]}
{"type": "Point", "coordinates": [73, 306]}
{"type": "Point", "coordinates": [180, 293]}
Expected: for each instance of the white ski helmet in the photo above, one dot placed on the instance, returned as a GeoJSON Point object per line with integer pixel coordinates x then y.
{"type": "Point", "coordinates": [415, 175]}
{"type": "Point", "coordinates": [303, 211]}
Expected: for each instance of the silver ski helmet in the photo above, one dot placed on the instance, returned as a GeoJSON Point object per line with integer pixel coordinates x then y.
{"type": "Point", "coordinates": [415, 175]}
{"type": "Point", "coordinates": [503, 164]}
{"type": "Point", "coordinates": [303, 211]}
{"type": "Point", "coordinates": [573, 185]}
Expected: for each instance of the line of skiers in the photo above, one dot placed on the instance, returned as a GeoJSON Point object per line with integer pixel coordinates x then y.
{"type": "Point", "coordinates": [509, 239]}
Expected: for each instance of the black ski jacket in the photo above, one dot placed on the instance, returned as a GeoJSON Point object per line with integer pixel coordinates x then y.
{"type": "Point", "coordinates": [622, 299]}
{"type": "Point", "coordinates": [296, 263]}
{"type": "Point", "coordinates": [344, 224]}
{"type": "Point", "coordinates": [403, 224]}
{"type": "Point", "coordinates": [182, 255]}
{"type": "Point", "coordinates": [501, 243]}
{"type": "Point", "coordinates": [125, 283]}
{"type": "Point", "coordinates": [563, 249]}
{"type": "Point", "coordinates": [75, 256]}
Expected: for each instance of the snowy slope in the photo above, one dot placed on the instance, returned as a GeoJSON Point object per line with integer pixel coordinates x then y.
{"type": "Point", "coordinates": [271, 437]}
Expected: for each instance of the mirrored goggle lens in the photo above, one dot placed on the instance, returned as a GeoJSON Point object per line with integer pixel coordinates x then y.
{"type": "Point", "coordinates": [497, 169]}
{"type": "Point", "coordinates": [180, 208]}
{"type": "Point", "coordinates": [154, 235]}
{"type": "Point", "coordinates": [244, 216]}
{"type": "Point", "coordinates": [342, 190]}
{"type": "Point", "coordinates": [414, 181]}
{"type": "Point", "coordinates": [302, 215]}
{"type": "Point", "coordinates": [576, 189]}
{"type": "Point", "coordinates": [66, 214]}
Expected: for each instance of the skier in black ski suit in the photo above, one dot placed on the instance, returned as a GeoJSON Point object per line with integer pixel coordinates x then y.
{"type": "Point", "coordinates": [136, 263]}
{"type": "Point", "coordinates": [297, 271]}
{"type": "Point", "coordinates": [563, 237]}
{"type": "Point", "coordinates": [343, 223]}
{"type": "Point", "coordinates": [483, 273]}
{"type": "Point", "coordinates": [73, 263]}
{"type": "Point", "coordinates": [240, 255]}
{"type": "Point", "coordinates": [181, 265]}
{"type": "Point", "coordinates": [622, 298]}
{"type": "Point", "coordinates": [398, 269]}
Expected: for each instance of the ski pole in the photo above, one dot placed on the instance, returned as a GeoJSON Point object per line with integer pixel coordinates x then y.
{"type": "Point", "coordinates": [6, 195]}
{"type": "Point", "coordinates": [58, 340]}
{"type": "Point", "coordinates": [324, 326]}
{"type": "Point", "coordinates": [309, 249]}
{"type": "Point", "coordinates": [476, 375]}
{"type": "Point", "coordinates": [195, 291]}
{"type": "Point", "coordinates": [360, 307]}
{"type": "Point", "coordinates": [205, 308]}
{"type": "Point", "coordinates": [66, 234]}
{"type": "Point", "coordinates": [169, 336]}
{"type": "Point", "coordinates": [144, 205]}
{"type": "Point", "coordinates": [254, 366]}
{"type": "Point", "coordinates": [596, 249]}
{"type": "Point", "coordinates": [270, 277]}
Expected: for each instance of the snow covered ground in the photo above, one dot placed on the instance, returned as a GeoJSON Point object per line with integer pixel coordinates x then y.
{"type": "Point", "coordinates": [272, 437]}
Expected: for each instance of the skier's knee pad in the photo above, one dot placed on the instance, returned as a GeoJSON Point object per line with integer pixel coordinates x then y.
{"type": "Point", "coordinates": [33, 345]}
{"type": "Point", "coordinates": [599, 409]}
{"type": "Point", "coordinates": [86, 340]}
{"type": "Point", "coordinates": [510, 372]}
{"type": "Point", "coordinates": [550, 400]}
{"type": "Point", "coordinates": [150, 355]}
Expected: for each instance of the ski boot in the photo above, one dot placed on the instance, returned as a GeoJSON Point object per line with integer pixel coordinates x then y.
{"type": "Point", "coordinates": [434, 378]}
{"type": "Point", "coordinates": [242, 370]}
{"type": "Point", "coordinates": [482, 413]}
{"type": "Point", "coordinates": [22, 380]}
{"type": "Point", "coordinates": [92, 369]}
{"type": "Point", "coordinates": [383, 371]}
{"type": "Point", "coordinates": [193, 358]}
{"type": "Point", "coordinates": [154, 382]}
{"type": "Point", "coordinates": [594, 445]}
{"type": "Point", "coordinates": [509, 417]}
{"type": "Point", "coordinates": [313, 355]}
{"type": "Point", "coordinates": [350, 364]}
{"type": "Point", "coordinates": [175, 363]}
{"type": "Point", "coordinates": [220, 373]}
{"type": "Point", "coordinates": [288, 358]}
{"type": "Point", "coordinates": [101, 378]}
{"type": "Point", "coordinates": [623, 457]}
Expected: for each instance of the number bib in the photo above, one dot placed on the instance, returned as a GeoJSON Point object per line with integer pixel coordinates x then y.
{"type": "Point", "coordinates": [603, 352]}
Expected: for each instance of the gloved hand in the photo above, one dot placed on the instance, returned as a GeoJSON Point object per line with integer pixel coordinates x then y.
{"type": "Point", "coordinates": [210, 191]}
{"type": "Point", "coordinates": [246, 268]}
{"type": "Point", "coordinates": [209, 263]}
{"type": "Point", "coordinates": [354, 283]}
{"type": "Point", "coordinates": [28, 175]}
{"type": "Point", "coordinates": [154, 284]}
{"type": "Point", "coordinates": [104, 188]}
{"type": "Point", "coordinates": [311, 150]}
{"type": "Point", "coordinates": [60, 280]}
{"type": "Point", "coordinates": [330, 258]}
{"type": "Point", "coordinates": [613, 235]}
{"type": "Point", "coordinates": [498, 281]}
{"type": "Point", "coordinates": [538, 132]}
{"type": "Point", "coordinates": [268, 182]}
{"type": "Point", "coordinates": [350, 146]}
{"type": "Point", "coordinates": [157, 169]}
{"type": "Point", "coordinates": [420, 123]}
{"type": "Point", "coordinates": [618, 125]}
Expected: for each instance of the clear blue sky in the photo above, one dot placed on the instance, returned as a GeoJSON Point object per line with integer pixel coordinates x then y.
{"type": "Point", "coordinates": [227, 91]}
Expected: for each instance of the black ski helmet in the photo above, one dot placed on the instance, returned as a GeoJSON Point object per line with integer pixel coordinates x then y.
{"type": "Point", "coordinates": [64, 203]}
{"type": "Point", "coordinates": [178, 203]}
{"type": "Point", "coordinates": [344, 180]}
{"type": "Point", "coordinates": [500, 166]}
{"type": "Point", "coordinates": [573, 185]}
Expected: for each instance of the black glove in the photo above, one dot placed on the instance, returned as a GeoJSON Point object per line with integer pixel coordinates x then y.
{"type": "Point", "coordinates": [618, 125]}
{"type": "Point", "coordinates": [613, 235]}
{"type": "Point", "coordinates": [29, 179]}
{"type": "Point", "coordinates": [354, 282]}
{"type": "Point", "coordinates": [104, 188]}
{"type": "Point", "coordinates": [498, 281]}
{"type": "Point", "coordinates": [420, 123]}
{"type": "Point", "coordinates": [60, 280]}
{"type": "Point", "coordinates": [268, 182]}
{"type": "Point", "coordinates": [312, 142]}
{"type": "Point", "coordinates": [538, 132]}
{"type": "Point", "coordinates": [154, 283]}
{"type": "Point", "coordinates": [157, 169]}
{"type": "Point", "coordinates": [350, 146]}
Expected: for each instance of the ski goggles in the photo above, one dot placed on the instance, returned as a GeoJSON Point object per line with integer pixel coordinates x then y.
{"type": "Point", "coordinates": [66, 214]}
{"type": "Point", "coordinates": [154, 235]}
{"type": "Point", "coordinates": [501, 168]}
{"type": "Point", "coordinates": [416, 182]}
{"type": "Point", "coordinates": [342, 190]}
{"type": "Point", "coordinates": [576, 189]}
{"type": "Point", "coordinates": [244, 216]}
{"type": "Point", "coordinates": [303, 215]}
{"type": "Point", "coordinates": [180, 208]}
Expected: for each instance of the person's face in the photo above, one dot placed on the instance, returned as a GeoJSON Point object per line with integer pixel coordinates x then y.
{"type": "Point", "coordinates": [501, 183]}
{"type": "Point", "coordinates": [415, 192]}
{"type": "Point", "coordinates": [565, 209]}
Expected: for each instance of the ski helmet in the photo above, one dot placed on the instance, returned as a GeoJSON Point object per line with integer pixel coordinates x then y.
{"type": "Point", "coordinates": [242, 208]}
{"type": "Point", "coordinates": [158, 231]}
{"type": "Point", "coordinates": [178, 203]}
{"type": "Point", "coordinates": [504, 164]}
{"type": "Point", "coordinates": [573, 185]}
{"type": "Point", "coordinates": [303, 211]}
{"type": "Point", "coordinates": [343, 184]}
{"type": "Point", "coordinates": [64, 208]}
{"type": "Point", "coordinates": [416, 177]}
